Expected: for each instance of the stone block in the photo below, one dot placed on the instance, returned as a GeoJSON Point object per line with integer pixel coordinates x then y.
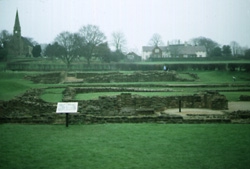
{"type": "Point", "coordinates": [145, 111]}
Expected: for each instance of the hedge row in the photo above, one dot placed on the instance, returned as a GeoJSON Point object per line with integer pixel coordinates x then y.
{"type": "Point", "coordinates": [130, 67]}
{"type": "Point", "coordinates": [228, 58]}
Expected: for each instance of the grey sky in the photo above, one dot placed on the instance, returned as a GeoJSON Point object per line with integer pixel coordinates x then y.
{"type": "Point", "coordinates": [221, 20]}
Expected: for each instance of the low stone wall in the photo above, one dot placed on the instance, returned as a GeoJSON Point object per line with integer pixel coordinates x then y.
{"type": "Point", "coordinates": [145, 76]}
{"type": "Point", "coordinates": [49, 78]}
{"type": "Point", "coordinates": [29, 108]}
{"type": "Point", "coordinates": [240, 114]}
{"type": "Point", "coordinates": [244, 98]}
{"type": "Point", "coordinates": [91, 119]}
{"type": "Point", "coordinates": [26, 106]}
{"type": "Point", "coordinates": [209, 99]}
{"type": "Point", "coordinates": [71, 92]}
{"type": "Point", "coordinates": [116, 104]}
{"type": "Point", "coordinates": [31, 66]}
{"type": "Point", "coordinates": [139, 76]}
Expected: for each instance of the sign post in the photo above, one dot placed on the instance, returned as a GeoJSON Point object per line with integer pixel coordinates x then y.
{"type": "Point", "coordinates": [67, 119]}
{"type": "Point", "coordinates": [179, 105]}
{"type": "Point", "coordinates": [66, 108]}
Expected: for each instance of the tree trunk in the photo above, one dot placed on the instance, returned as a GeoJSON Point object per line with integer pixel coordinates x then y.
{"type": "Point", "coordinates": [68, 65]}
{"type": "Point", "coordinates": [88, 61]}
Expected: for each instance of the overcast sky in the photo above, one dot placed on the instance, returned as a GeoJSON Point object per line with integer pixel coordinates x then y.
{"type": "Point", "coordinates": [220, 20]}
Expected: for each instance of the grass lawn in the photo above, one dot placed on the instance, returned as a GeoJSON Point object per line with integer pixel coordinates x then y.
{"type": "Point", "coordinates": [53, 95]}
{"type": "Point", "coordinates": [118, 146]}
{"type": "Point", "coordinates": [221, 77]}
{"type": "Point", "coordinates": [90, 96]}
{"type": "Point", "coordinates": [234, 96]}
{"type": "Point", "coordinates": [13, 84]}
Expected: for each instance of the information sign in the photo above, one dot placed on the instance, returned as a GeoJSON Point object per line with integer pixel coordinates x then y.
{"type": "Point", "coordinates": [66, 108]}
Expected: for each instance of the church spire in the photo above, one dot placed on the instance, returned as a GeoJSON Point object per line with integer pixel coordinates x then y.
{"type": "Point", "coordinates": [17, 27]}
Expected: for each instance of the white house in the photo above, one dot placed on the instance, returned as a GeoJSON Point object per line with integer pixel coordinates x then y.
{"type": "Point", "coordinates": [174, 51]}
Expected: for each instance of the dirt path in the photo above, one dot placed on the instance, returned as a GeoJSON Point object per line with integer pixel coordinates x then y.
{"type": "Point", "coordinates": [232, 106]}
{"type": "Point", "coordinates": [185, 111]}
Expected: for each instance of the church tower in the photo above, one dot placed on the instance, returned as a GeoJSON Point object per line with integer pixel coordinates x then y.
{"type": "Point", "coordinates": [18, 45]}
{"type": "Point", "coordinates": [17, 36]}
{"type": "Point", "coordinates": [17, 27]}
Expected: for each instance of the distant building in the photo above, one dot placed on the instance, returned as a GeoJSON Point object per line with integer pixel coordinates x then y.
{"type": "Point", "coordinates": [173, 51]}
{"type": "Point", "coordinates": [18, 45]}
{"type": "Point", "coordinates": [133, 57]}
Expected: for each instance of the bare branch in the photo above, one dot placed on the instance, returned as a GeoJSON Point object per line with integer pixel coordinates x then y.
{"type": "Point", "coordinates": [156, 40]}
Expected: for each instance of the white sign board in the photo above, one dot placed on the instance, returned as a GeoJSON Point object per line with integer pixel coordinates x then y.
{"type": "Point", "coordinates": [67, 107]}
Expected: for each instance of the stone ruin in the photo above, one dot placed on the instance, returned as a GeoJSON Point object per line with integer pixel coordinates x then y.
{"type": "Point", "coordinates": [244, 98]}
{"type": "Point", "coordinates": [123, 108]}
{"type": "Point", "coordinates": [210, 99]}
{"type": "Point", "coordinates": [50, 78]}
{"type": "Point", "coordinates": [109, 77]}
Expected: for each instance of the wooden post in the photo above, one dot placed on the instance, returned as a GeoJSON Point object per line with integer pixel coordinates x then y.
{"type": "Point", "coordinates": [67, 119]}
{"type": "Point", "coordinates": [179, 105]}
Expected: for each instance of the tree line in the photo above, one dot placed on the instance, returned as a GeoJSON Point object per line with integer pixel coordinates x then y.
{"type": "Point", "coordinates": [88, 42]}
{"type": "Point", "coordinates": [213, 48]}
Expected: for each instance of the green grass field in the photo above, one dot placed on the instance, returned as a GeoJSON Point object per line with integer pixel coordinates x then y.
{"type": "Point", "coordinates": [146, 146]}
{"type": "Point", "coordinates": [13, 84]}
{"type": "Point", "coordinates": [90, 96]}
{"type": "Point", "coordinates": [53, 95]}
{"type": "Point", "coordinates": [117, 146]}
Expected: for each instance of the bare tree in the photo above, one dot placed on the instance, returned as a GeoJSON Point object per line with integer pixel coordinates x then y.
{"type": "Point", "coordinates": [71, 45]}
{"type": "Point", "coordinates": [235, 48]}
{"type": "Point", "coordinates": [156, 40]}
{"type": "Point", "coordinates": [92, 37]}
{"type": "Point", "coordinates": [118, 41]}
